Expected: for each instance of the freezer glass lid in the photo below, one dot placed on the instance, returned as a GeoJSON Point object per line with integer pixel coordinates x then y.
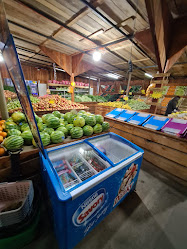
{"type": "Point", "coordinates": [77, 163]}
{"type": "Point", "coordinates": [114, 149]}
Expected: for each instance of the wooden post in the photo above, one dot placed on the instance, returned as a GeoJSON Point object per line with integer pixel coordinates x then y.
{"type": "Point", "coordinates": [3, 106]}
{"type": "Point", "coordinates": [72, 80]}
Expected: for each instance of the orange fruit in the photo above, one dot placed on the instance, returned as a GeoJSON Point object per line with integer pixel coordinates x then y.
{"type": "Point", "coordinates": [2, 151]}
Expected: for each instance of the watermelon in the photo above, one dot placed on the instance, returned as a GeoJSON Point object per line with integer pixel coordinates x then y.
{"type": "Point", "coordinates": [18, 117]}
{"type": "Point", "coordinates": [27, 136]}
{"type": "Point", "coordinates": [24, 126]}
{"type": "Point", "coordinates": [97, 128]}
{"type": "Point", "coordinates": [11, 125]}
{"type": "Point", "coordinates": [56, 114]}
{"type": "Point", "coordinates": [105, 126]}
{"type": "Point", "coordinates": [84, 116]}
{"type": "Point", "coordinates": [99, 119]}
{"type": "Point", "coordinates": [40, 127]}
{"type": "Point", "coordinates": [74, 112]}
{"type": "Point", "coordinates": [9, 119]}
{"type": "Point", "coordinates": [36, 117]}
{"type": "Point", "coordinates": [90, 120]}
{"type": "Point", "coordinates": [13, 132]}
{"type": "Point", "coordinates": [81, 112]}
{"type": "Point", "coordinates": [45, 137]}
{"type": "Point", "coordinates": [79, 121]}
{"type": "Point", "coordinates": [57, 137]}
{"type": "Point", "coordinates": [44, 126]}
{"type": "Point", "coordinates": [71, 118]}
{"type": "Point", "coordinates": [40, 120]}
{"type": "Point", "coordinates": [62, 122]}
{"type": "Point", "coordinates": [49, 130]}
{"type": "Point", "coordinates": [63, 129]}
{"type": "Point", "coordinates": [13, 143]}
{"type": "Point", "coordinates": [69, 127]}
{"type": "Point", "coordinates": [46, 116]}
{"type": "Point", "coordinates": [53, 122]}
{"type": "Point", "coordinates": [62, 115]}
{"type": "Point", "coordinates": [67, 115]}
{"type": "Point", "coordinates": [76, 132]}
{"type": "Point", "coordinates": [87, 130]}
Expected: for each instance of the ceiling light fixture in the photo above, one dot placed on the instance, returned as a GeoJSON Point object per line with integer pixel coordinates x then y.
{"type": "Point", "coordinates": [114, 76]}
{"type": "Point", "coordinates": [96, 56]}
{"type": "Point", "coordinates": [148, 75]}
{"type": "Point", "coordinates": [1, 57]}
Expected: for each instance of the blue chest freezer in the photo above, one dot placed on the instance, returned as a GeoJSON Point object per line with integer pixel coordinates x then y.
{"type": "Point", "coordinates": [86, 180]}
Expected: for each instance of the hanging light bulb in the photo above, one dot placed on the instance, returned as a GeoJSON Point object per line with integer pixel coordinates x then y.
{"type": "Point", "coordinates": [96, 56]}
{"type": "Point", "coordinates": [1, 57]}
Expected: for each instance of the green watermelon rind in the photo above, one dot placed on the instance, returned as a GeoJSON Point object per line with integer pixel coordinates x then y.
{"type": "Point", "coordinates": [88, 130]}
{"type": "Point", "coordinates": [97, 128]}
{"type": "Point", "coordinates": [105, 126]}
{"type": "Point", "coordinates": [13, 143]}
{"type": "Point", "coordinates": [57, 137]}
{"type": "Point", "coordinates": [76, 132]}
{"type": "Point", "coordinates": [53, 122]}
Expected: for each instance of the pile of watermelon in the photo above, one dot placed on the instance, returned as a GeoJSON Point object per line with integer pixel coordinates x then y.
{"type": "Point", "coordinates": [53, 127]}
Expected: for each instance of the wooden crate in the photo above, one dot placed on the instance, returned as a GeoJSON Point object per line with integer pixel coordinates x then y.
{"type": "Point", "coordinates": [163, 150]}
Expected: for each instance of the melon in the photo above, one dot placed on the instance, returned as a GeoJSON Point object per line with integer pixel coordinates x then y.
{"type": "Point", "coordinates": [105, 126]}
{"type": "Point", "coordinates": [49, 130]}
{"type": "Point", "coordinates": [57, 137]}
{"type": "Point", "coordinates": [36, 117]}
{"type": "Point", "coordinates": [71, 118]}
{"type": "Point", "coordinates": [79, 121]}
{"type": "Point", "coordinates": [40, 127]}
{"type": "Point", "coordinates": [63, 129]}
{"type": "Point", "coordinates": [69, 127]}
{"type": "Point", "coordinates": [46, 116]}
{"type": "Point", "coordinates": [99, 119]}
{"type": "Point", "coordinates": [45, 137]}
{"type": "Point", "coordinates": [76, 132]}
{"type": "Point", "coordinates": [53, 122]}
{"type": "Point", "coordinates": [13, 143]}
{"type": "Point", "coordinates": [97, 128]}
{"type": "Point", "coordinates": [11, 125]}
{"type": "Point", "coordinates": [67, 115]}
{"type": "Point", "coordinates": [90, 120]}
{"type": "Point", "coordinates": [24, 126]}
{"type": "Point", "coordinates": [87, 130]}
{"type": "Point", "coordinates": [56, 114]}
{"type": "Point", "coordinates": [13, 132]}
{"type": "Point", "coordinates": [27, 136]}
{"type": "Point", "coordinates": [18, 117]}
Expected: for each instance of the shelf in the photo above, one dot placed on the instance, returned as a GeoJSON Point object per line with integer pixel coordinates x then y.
{"type": "Point", "coordinates": [51, 84]}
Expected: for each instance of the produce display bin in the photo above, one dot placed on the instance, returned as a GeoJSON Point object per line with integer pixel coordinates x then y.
{"type": "Point", "coordinates": [86, 180]}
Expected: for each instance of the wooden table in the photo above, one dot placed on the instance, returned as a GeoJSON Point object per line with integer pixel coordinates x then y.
{"type": "Point", "coordinates": [163, 150]}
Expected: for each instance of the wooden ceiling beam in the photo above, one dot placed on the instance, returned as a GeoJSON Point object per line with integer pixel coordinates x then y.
{"type": "Point", "coordinates": [168, 35]}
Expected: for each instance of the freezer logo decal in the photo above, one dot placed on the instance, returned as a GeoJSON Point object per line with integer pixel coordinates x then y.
{"type": "Point", "coordinates": [89, 208]}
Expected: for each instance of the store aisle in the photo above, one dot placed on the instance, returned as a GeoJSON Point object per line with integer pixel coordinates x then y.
{"type": "Point", "coordinates": [153, 217]}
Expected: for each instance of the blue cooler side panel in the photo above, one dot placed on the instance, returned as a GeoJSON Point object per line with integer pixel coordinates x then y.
{"type": "Point", "coordinates": [89, 209]}
{"type": "Point", "coordinates": [57, 207]}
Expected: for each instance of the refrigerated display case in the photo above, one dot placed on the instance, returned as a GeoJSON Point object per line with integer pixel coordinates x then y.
{"type": "Point", "coordinates": [86, 180]}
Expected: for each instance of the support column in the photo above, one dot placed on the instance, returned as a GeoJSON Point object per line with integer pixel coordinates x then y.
{"type": "Point", "coordinates": [3, 106]}
{"type": "Point", "coordinates": [73, 86]}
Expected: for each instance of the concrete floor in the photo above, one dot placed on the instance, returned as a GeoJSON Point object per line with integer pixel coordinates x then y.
{"type": "Point", "coordinates": [153, 217]}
